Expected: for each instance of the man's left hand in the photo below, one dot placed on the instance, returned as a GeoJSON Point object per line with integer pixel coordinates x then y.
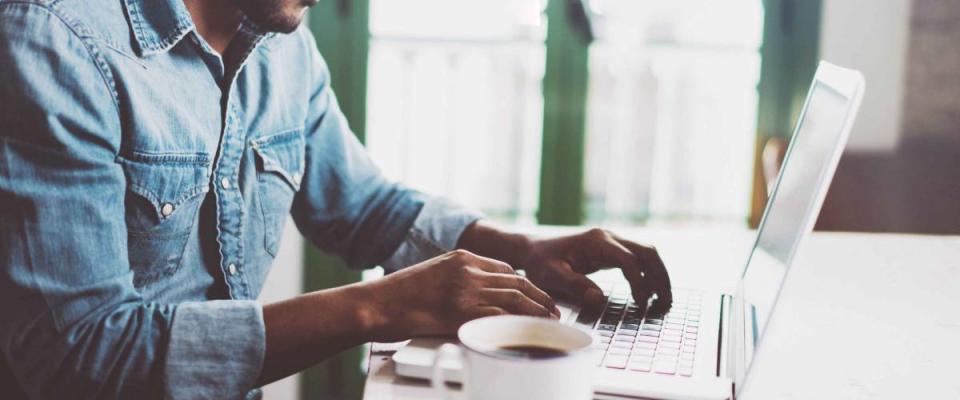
{"type": "Point", "coordinates": [559, 265]}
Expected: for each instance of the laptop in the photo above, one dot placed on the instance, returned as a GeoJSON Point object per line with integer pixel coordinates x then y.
{"type": "Point", "coordinates": [703, 347]}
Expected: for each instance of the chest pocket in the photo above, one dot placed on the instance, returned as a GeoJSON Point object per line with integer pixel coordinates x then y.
{"type": "Point", "coordinates": [164, 192]}
{"type": "Point", "coordinates": [280, 165]}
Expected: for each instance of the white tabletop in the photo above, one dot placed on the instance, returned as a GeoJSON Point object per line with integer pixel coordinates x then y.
{"type": "Point", "coordinates": [862, 316]}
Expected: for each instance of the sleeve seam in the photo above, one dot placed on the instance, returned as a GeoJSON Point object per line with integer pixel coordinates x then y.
{"type": "Point", "coordinates": [76, 29]}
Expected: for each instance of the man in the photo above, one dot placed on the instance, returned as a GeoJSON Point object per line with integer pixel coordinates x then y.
{"type": "Point", "coordinates": [150, 151]}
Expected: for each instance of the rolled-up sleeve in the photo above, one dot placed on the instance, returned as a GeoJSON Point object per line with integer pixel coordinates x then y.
{"type": "Point", "coordinates": [435, 231]}
{"type": "Point", "coordinates": [347, 207]}
{"type": "Point", "coordinates": [73, 325]}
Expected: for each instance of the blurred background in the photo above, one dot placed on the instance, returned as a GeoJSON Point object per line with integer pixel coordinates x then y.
{"type": "Point", "coordinates": [632, 112]}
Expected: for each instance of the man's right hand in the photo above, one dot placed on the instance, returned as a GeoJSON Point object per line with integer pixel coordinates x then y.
{"type": "Point", "coordinates": [436, 296]}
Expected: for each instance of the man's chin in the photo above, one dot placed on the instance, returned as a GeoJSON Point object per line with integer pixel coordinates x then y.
{"type": "Point", "coordinates": [274, 19]}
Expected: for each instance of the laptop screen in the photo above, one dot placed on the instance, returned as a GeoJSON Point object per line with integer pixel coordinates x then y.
{"type": "Point", "coordinates": [793, 206]}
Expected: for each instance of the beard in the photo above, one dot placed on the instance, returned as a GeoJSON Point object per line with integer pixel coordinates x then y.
{"type": "Point", "coordinates": [281, 16]}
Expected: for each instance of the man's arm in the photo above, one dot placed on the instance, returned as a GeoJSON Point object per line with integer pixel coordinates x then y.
{"type": "Point", "coordinates": [73, 324]}
{"type": "Point", "coordinates": [431, 298]}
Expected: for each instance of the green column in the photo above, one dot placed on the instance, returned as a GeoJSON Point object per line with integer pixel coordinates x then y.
{"type": "Point", "coordinates": [564, 114]}
{"type": "Point", "coordinates": [342, 33]}
{"type": "Point", "coordinates": [789, 57]}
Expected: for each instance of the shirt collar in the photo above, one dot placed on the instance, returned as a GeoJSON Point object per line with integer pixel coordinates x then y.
{"type": "Point", "coordinates": [158, 25]}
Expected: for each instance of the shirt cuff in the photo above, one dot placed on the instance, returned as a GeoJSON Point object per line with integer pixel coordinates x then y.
{"type": "Point", "coordinates": [435, 231]}
{"type": "Point", "coordinates": [216, 350]}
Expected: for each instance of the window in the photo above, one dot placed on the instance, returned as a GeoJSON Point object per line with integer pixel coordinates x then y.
{"type": "Point", "coordinates": [455, 105]}
{"type": "Point", "coordinates": [672, 110]}
{"type": "Point", "coordinates": [455, 102]}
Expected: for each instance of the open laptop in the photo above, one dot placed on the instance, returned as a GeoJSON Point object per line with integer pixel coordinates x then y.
{"type": "Point", "coordinates": [703, 347]}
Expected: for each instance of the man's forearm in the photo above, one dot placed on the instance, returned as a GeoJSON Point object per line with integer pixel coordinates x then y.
{"type": "Point", "coordinates": [309, 328]}
{"type": "Point", "coordinates": [482, 238]}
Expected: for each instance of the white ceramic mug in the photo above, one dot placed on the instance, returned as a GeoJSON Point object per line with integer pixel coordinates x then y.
{"type": "Point", "coordinates": [489, 373]}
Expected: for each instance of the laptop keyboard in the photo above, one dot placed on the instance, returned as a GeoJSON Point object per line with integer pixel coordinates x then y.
{"type": "Point", "coordinates": [627, 340]}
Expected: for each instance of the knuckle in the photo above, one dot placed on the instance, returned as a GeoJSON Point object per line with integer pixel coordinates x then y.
{"type": "Point", "coordinates": [596, 233]}
{"type": "Point", "coordinates": [653, 250]}
{"type": "Point", "coordinates": [502, 266]}
{"type": "Point", "coordinates": [460, 254]}
{"type": "Point", "coordinates": [522, 283]}
{"type": "Point", "coordinates": [516, 297]}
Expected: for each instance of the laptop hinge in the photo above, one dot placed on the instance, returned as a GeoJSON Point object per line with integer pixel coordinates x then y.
{"type": "Point", "coordinates": [724, 337]}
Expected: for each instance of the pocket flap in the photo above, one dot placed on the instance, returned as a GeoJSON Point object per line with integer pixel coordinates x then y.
{"type": "Point", "coordinates": [282, 154]}
{"type": "Point", "coordinates": [166, 180]}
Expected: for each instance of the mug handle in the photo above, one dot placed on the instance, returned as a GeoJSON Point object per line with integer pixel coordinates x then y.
{"type": "Point", "coordinates": [447, 351]}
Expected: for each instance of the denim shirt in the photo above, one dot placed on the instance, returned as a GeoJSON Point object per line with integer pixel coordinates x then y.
{"type": "Point", "coordinates": [144, 184]}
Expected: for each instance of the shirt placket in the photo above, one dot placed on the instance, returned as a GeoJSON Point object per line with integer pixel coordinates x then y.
{"type": "Point", "coordinates": [229, 197]}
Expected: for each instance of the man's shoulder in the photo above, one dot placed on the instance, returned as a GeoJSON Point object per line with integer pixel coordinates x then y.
{"type": "Point", "coordinates": [102, 21]}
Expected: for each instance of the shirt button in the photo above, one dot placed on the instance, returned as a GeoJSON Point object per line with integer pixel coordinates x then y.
{"type": "Point", "coordinates": [166, 210]}
{"type": "Point", "coordinates": [225, 183]}
{"type": "Point", "coordinates": [232, 268]}
{"type": "Point", "coordinates": [296, 178]}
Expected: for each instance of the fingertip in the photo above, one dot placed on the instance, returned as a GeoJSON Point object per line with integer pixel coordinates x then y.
{"type": "Point", "coordinates": [661, 306]}
{"type": "Point", "coordinates": [593, 296]}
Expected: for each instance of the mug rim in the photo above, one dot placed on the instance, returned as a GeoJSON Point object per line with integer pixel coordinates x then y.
{"type": "Point", "coordinates": [568, 353]}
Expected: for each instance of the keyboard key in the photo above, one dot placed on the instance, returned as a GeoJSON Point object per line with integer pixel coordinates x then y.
{"type": "Point", "coordinates": [645, 345]}
{"type": "Point", "coordinates": [670, 345]}
{"type": "Point", "coordinates": [690, 336]}
{"type": "Point", "coordinates": [606, 327]}
{"type": "Point", "coordinates": [615, 361]}
{"type": "Point", "coordinates": [647, 327]}
{"type": "Point", "coordinates": [621, 345]}
{"type": "Point", "coordinates": [618, 351]}
{"type": "Point", "coordinates": [623, 332]}
{"type": "Point", "coordinates": [650, 333]}
{"type": "Point", "coordinates": [667, 352]}
{"type": "Point", "coordinates": [641, 366]}
{"type": "Point", "coordinates": [648, 339]}
{"type": "Point", "coordinates": [674, 339]}
{"type": "Point", "coordinates": [686, 357]}
{"type": "Point", "coordinates": [642, 352]}
{"type": "Point", "coordinates": [623, 338]}
{"type": "Point", "coordinates": [605, 333]}
{"type": "Point", "coordinates": [671, 332]}
{"type": "Point", "coordinates": [653, 321]}
{"type": "Point", "coordinates": [632, 327]}
{"type": "Point", "coordinates": [665, 368]}
{"type": "Point", "coordinates": [686, 371]}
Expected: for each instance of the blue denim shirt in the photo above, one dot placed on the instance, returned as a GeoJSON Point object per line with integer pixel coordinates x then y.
{"type": "Point", "coordinates": [144, 184]}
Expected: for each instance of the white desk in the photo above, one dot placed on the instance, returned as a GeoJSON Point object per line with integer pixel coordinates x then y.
{"type": "Point", "coordinates": [862, 316]}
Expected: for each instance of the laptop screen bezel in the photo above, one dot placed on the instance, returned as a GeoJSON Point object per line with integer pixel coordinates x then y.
{"type": "Point", "coordinates": [849, 84]}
